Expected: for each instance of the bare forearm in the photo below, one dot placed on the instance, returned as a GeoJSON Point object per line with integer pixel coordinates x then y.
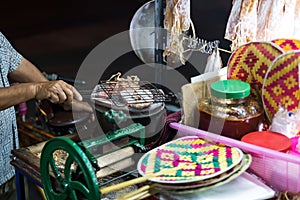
{"type": "Point", "coordinates": [29, 77]}
{"type": "Point", "coordinates": [16, 94]}
{"type": "Point", "coordinates": [56, 91]}
{"type": "Point", "coordinates": [33, 84]}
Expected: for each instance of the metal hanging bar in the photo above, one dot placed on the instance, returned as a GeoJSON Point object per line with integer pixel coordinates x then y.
{"type": "Point", "coordinates": [160, 41]}
{"type": "Point", "coordinates": [204, 46]}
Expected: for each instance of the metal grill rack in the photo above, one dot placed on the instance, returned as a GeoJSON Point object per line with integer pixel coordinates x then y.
{"type": "Point", "coordinates": [124, 93]}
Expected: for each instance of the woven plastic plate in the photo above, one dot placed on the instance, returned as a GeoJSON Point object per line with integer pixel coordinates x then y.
{"type": "Point", "coordinates": [206, 182]}
{"type": "Point", "coordinates": [193, 158]}
{"type": "Point", "coordinates": [281, 84]}
{"type": "Point", "coordinates": [287, 44]}
{"type": "Point", "coordinates": [246, 165]}
{"type": "Point", "coordinates": [250, 63]}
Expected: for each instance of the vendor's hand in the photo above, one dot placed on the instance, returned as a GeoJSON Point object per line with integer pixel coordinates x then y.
{"type": "Point", "coordinates": [80, 106]}
{"type": "Point", "coordinates": [57, 92]}
{"type": "Point", "coordinates": [60, 92]}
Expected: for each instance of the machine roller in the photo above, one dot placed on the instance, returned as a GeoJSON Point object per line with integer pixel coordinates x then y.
{"type": "Point", "coordinates": [83, 165]}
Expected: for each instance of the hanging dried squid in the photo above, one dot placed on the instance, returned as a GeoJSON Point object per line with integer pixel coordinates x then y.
{"type": "Point", "coordinates": [297, 20]}
{"type": "Point", "coordinates": [233, 21]}
{"type": "Point", "coordinates": [285, 29]}
{"type": "Point", "coordinates": [264, 9]}
{"type": "Point", "coordinates": [177, 21]}
{"type": "Point", "coordinates": [262, 20]}
{"type": "Point", "coordinates": [242, 22]}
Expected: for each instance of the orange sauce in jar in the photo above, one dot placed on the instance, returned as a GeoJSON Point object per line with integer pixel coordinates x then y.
{"type": "Point", "coordinates": [230, 111]}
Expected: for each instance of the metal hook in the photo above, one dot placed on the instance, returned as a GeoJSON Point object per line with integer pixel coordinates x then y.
{"type": "Point", "coordinates": [201, 45]}
{"type": "Point", "coordinates": [216, 45]}
{"type": "Point", "coordinates": [209, 48]}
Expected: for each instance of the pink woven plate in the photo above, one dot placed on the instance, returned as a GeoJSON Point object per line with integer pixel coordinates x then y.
{"type": "Point", "coordinates": [281, 84]}
{"type": "Point", "coordinates": [250, 63]}
{"type": "Point", "coordinates": [287, 44]}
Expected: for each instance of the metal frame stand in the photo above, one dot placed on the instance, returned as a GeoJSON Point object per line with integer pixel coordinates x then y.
{"type": "Point", "coordinates": [20, 184]}
{"type": "Point", "coordinates": [160, 41]}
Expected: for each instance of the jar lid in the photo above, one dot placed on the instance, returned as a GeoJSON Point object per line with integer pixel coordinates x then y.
{"type": "Point", "coordinates": [268, 139]}
{"type": "Point", "coordinates": [230, 89]}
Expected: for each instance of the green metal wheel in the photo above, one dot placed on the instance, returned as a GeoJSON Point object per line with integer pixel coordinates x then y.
{"type": "Point", "coordinates": [60, 184]}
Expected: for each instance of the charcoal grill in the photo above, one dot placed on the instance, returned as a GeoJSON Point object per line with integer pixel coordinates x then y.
{"type": "Point", "coordinates": [119, 104]}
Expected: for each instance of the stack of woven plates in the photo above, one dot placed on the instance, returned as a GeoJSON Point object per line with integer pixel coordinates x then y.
{"type": "Point", "coordinates": [250, 63]}
{"type": "Point", "coordinates": [193, 164]}
{"type": "Point", "coordinates": [272, 70]}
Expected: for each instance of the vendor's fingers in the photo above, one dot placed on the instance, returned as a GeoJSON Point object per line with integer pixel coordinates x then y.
{"type": "Point", "coordinates": [57, 91]}
{"type": "Point", "coordinates": [82, 106]}
{"type": "Point", "coordinates": [78, 106]}
{"type": "Point", "coordinates": [58, 96]}
{"type": "Point", "coordinates": [53, 98]}
{"type": "Point", "coordinates": [76, 94]}
{"type": "Point", "coordinates": [92, 118]}
{"type": "Point", "coordinates": [69, 94]}
{"type": "Point", "coordinates": [62, 97]}
{"type": "Point", "coordinates": [61, 90]}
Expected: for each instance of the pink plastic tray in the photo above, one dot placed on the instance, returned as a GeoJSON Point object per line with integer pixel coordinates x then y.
{"type": "Point", "coordinates": [279, 170]}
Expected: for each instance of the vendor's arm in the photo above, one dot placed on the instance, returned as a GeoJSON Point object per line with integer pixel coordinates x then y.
{"type": "Point", "coordinates": [55, 91]}
{"type": "Point", "coordinates": [35, 86]}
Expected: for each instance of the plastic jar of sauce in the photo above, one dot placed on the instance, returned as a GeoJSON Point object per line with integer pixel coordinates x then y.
{"type": "Point", "coordinates": [230, 111]}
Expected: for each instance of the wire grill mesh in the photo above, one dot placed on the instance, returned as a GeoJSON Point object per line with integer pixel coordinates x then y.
{"type": "Point", "coordinates": [124, 93]}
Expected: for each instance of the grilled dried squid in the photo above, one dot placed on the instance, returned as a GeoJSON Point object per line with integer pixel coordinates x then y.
{"type": "Point", "coordinates": [177, 21]}
{"type": "Point", "coordinates": [262, 20]}
{"type": "Point", "coordinates": [242, 22]}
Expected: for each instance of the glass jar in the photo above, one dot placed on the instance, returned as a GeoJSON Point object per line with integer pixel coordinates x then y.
{"type": "Point", "coordinates": [230, 111]}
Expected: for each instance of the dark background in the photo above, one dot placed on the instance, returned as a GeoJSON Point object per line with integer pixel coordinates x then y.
{"type": "Point", "coordinates": [57, 35]}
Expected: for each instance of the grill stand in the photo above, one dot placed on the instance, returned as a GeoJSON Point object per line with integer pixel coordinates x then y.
{"type": "Point", "coordinates": [29, 166]}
